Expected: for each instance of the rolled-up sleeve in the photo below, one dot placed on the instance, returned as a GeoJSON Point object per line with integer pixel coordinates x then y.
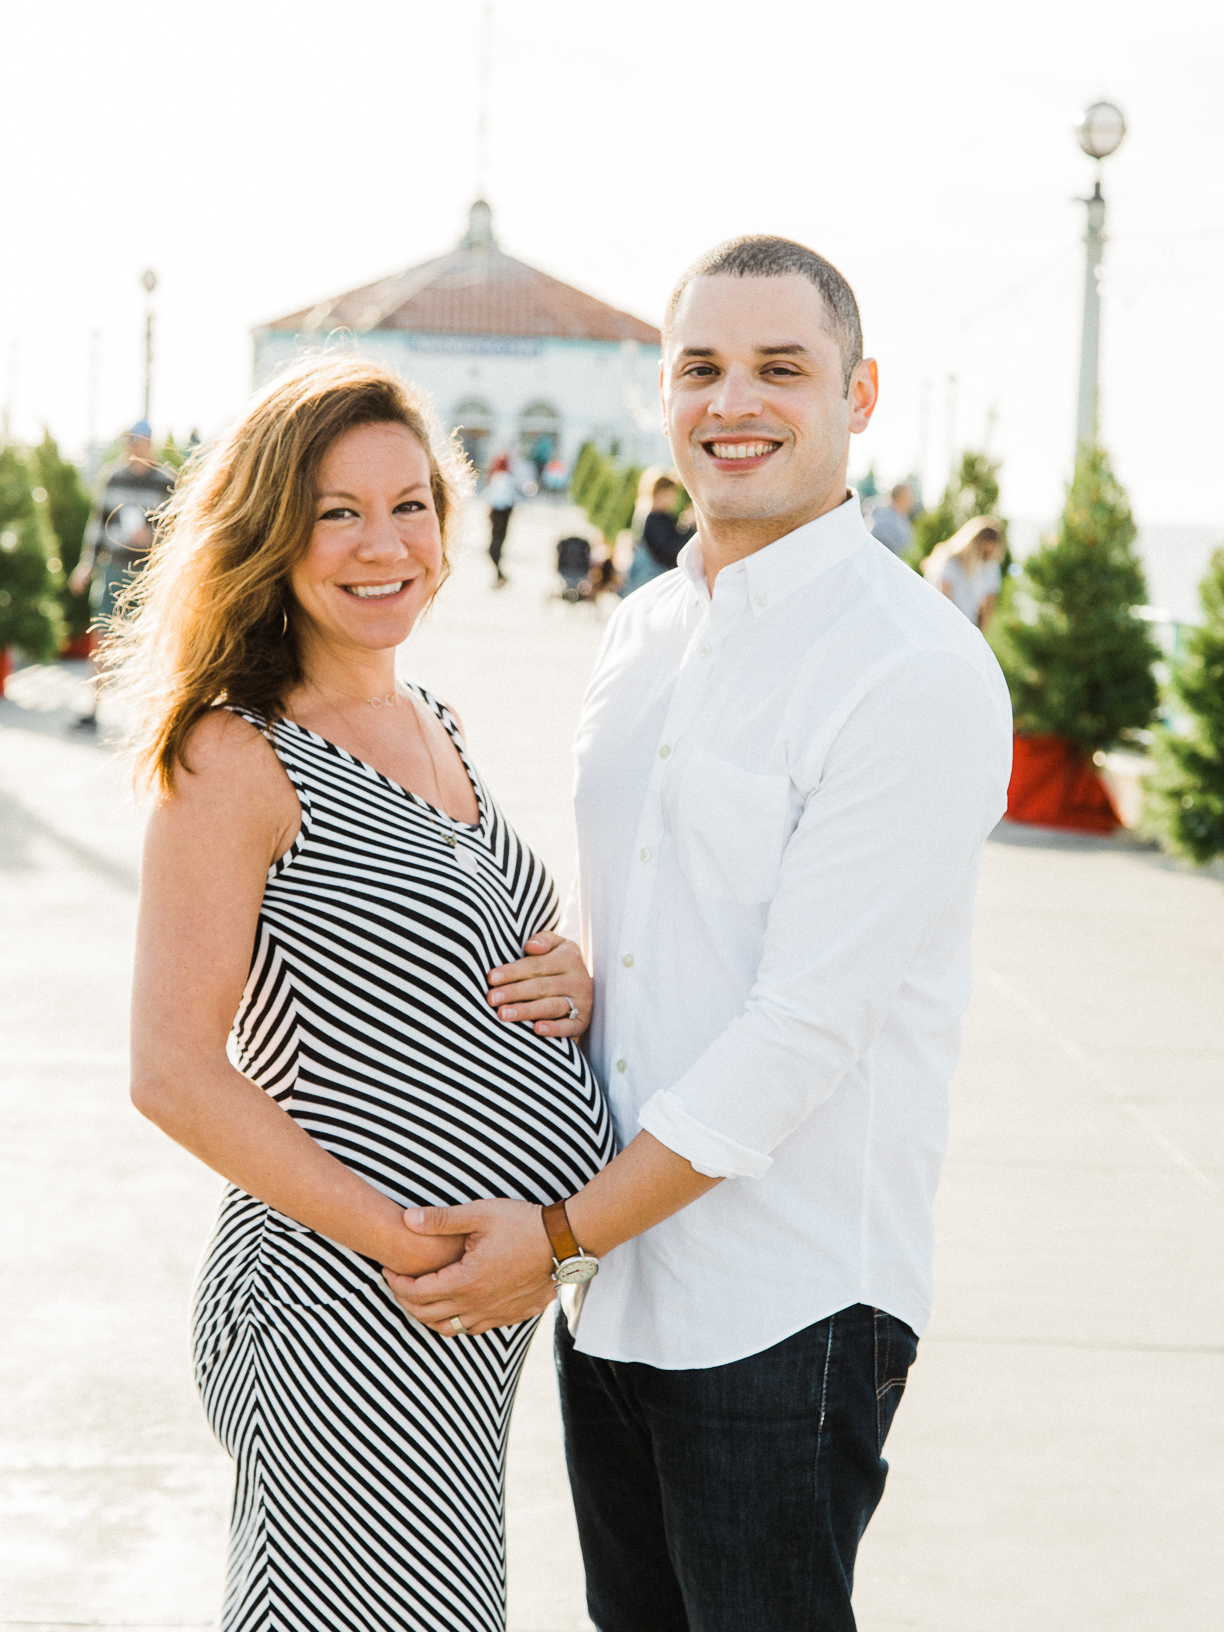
{"type": "Point", "coordinates": [892, 826]}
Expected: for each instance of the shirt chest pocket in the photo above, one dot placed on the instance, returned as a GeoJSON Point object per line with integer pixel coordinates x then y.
{"type": "Point", "coordinates": [731, 827]}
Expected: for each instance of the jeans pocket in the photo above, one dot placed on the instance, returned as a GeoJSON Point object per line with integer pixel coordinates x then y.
{"type": "Point", "coordinates": [895, 1350]}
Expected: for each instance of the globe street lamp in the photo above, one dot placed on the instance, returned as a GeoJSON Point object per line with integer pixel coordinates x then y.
{"type": "Point", "coordinates": [149, 280]}
{"type": "Point", "coordinates": [1100, 129]}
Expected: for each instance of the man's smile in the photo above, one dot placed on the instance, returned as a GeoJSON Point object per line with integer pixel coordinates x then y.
{"type": "Point", "coordinates": [740, 453]}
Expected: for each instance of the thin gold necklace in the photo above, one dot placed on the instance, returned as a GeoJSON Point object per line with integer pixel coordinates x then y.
{"type": "Point", "coordinates": [464, 857]}
{"type": "Point", "coordinates": [386, 699]}
{"type": "Point", "coordinates": [390, 700]}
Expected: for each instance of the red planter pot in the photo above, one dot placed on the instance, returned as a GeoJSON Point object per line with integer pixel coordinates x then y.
{"type": "Point", "coordinates": [1054, 785]}
{"type": "Point", "coordinates": [6, 667]}
{"type": "Point", "coordinates": [82, 646]}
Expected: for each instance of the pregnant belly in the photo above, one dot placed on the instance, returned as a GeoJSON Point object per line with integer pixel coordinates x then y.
{"type": "Point", "coordinates": [422, 1137]}
{"type": "Point", "coordinates": [443, 1121]}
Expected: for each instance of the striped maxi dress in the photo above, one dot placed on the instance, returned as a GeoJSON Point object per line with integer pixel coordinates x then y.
{"type": "Point", "coordinates": [370, 1452]}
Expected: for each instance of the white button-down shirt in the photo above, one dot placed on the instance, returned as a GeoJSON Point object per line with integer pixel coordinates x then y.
{"type": "Point", "coordinates": [782, 794]}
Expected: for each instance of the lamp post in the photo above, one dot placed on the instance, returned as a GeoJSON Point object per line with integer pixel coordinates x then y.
{"type": "Point", "coordinates": [1100, 129]}
{"type": "Point", "coordinates": [149, 280]}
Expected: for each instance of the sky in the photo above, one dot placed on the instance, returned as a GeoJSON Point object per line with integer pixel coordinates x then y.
{"type": "Point", "coordinates": [261, 155]}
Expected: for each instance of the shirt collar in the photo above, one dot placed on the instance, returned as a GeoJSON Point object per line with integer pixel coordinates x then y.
{"type": "Point", "coordinates": [790, 562]}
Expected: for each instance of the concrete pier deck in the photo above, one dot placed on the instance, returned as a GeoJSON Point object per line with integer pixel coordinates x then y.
{"type": "Point", "coordinates": [1058, 1461]}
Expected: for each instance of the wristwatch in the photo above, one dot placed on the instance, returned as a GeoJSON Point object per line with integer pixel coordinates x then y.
{"type": "Point", "coordinates": [571, 1266]}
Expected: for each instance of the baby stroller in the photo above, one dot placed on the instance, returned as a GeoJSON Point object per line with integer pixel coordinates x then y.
{"type": "Point", "coordinates": [574, 565]}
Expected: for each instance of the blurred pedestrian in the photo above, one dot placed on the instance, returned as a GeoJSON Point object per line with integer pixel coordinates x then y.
{"type": "Point", "coordinates": [891, 522]}
{"type": "Point", "coordinates": [968, 568]}
{"type": "Point", "coordinates": [119, 533]}
{"type": "Point", "coordinates": [664, 535]}
{"type": "Point", "coordinates": [326, 882]}
{"type": "Point", "coordinates": [499, 496]}
{"type": "Point", "coordinates": [541, 452]}
{"type": "Point", "coordinates": [555, 477]}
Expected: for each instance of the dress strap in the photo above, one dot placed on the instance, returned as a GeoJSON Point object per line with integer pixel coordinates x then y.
{"type": "Point", "coordinates": [259, 721]}
{"type": "Point", "coordinates": [451, 726]}
{"type": "Point", "coordinates": [279, 745]}
{"type": "Point", "coordinates": [438, 707]}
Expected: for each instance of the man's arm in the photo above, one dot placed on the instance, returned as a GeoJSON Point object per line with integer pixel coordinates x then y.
{"type": "Point", "coordinates": [505, 1274]}
{"type": "Point", "coordinates": [903, 800]}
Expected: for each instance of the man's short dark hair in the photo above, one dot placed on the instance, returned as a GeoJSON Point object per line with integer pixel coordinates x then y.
{"type": "Point", "coordinates": [765, 257]}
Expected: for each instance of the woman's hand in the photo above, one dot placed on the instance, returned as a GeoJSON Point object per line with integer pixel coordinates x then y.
{"type": "Point", "coordinates": [543, 985]}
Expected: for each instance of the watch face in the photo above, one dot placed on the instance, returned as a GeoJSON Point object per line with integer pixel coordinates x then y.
{"type": "Point", "coordinates": [576, 1270]}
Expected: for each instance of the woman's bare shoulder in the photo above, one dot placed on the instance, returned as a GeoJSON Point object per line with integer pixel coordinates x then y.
{"type": "Point", "coordinates": [227, 761]}
{"type": "Point", "coordinates": [223, 743]}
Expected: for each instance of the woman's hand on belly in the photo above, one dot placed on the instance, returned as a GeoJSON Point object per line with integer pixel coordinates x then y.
{"type": "Point", "coordinates": [543, 986]}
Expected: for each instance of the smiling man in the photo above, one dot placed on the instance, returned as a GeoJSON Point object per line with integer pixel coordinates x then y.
{"type": "Point", "coordinates": [790, 755]}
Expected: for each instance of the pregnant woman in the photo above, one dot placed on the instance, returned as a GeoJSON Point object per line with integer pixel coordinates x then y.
{"type": "Point", "coordinates": [328, 889]}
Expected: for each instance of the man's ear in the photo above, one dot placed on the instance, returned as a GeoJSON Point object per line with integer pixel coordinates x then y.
{"type": "Point", "coordinates": [662, 398]}
{"type": "Point", "coordinates": [863, 394]}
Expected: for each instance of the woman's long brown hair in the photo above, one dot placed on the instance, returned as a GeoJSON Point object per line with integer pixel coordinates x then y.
{"type": "Point", "coordinates": [211, 620]}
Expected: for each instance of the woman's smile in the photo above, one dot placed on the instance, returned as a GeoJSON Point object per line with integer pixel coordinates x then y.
{"type": "Point", "coordinates": [375, 592]}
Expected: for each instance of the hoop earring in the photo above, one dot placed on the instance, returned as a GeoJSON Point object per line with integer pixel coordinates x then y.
{"type": "Point", "coordinates": [284, 621]}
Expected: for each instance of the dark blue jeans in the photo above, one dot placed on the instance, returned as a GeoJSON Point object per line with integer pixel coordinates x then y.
{"type": "Point", "coordinates": [732, 1499]}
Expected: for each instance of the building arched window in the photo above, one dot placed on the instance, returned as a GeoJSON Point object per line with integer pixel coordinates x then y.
{"type": "Point", "coordinates": [539, 434]}
{"type": "Point", "coordinates": [473, 419]}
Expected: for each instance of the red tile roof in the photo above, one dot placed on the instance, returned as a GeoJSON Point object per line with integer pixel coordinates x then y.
{"type": "Point", "coordinates": [476, 289]}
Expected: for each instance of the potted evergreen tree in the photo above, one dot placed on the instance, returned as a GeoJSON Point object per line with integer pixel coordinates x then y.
{"type": "Point", "coordinates": [1078, 662]}
{"type": "Point", "coordinates": [68, 505]}
{"type": "Point", "coordinates": [1185, 806]}
{"type": "Point", "coordinates": [29, 611]}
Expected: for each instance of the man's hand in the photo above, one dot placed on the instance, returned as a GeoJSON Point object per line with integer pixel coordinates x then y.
{"type": "Point", "coordinates": [504, 1276]}
{"type": "Point", "coordinates": [78, 583]}
{"type": "Point", "coordinates": [542, 985]}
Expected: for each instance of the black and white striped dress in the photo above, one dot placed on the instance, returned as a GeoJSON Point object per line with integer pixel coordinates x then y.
{"type": "Point", "coordinates": [370, 1452]}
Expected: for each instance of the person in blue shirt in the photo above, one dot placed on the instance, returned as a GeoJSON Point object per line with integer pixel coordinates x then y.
{"type": "Point", "coordinates": [891, 522]}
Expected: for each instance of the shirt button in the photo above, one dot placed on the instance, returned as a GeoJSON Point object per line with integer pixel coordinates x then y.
{"type": "Point", "coordinates": [644, 854]}
{"type": "Point", "coordinates": [621, 1066]}
{"type": "Point", "coordinates": [664, 751]}
{"type": "Point", "coordinates": [762, 600]}
{"type": "Point", "coordinates": [627, 960]}
{"type": "Point", "coordinates": [703, 650]}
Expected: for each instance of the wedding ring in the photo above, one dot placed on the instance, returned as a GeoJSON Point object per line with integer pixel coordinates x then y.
{"type": "Point", "coordinates": [573, 1012]}
{"type": "Point", "coordinates": [457, 1326]}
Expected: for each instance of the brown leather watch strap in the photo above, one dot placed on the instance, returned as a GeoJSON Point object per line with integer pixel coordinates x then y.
{"type": "Point", "coordinates": [556, 1222]}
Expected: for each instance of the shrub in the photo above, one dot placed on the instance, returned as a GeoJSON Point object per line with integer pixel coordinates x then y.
{"type": "Point", "coordinates": [972, 490]}
{"type": "Point", "coordinates": [586, 468]}
{"type": "Point", "coordinates": [1078, 661]}
{"type": "Point", "coordinates": [68, 506]}
{"type": "Point", "coordinates": [29, 600]}
{"type": "Point", "coordinates": [1185, 808]}
{"type": "Point", "coordinates": [617, 504]}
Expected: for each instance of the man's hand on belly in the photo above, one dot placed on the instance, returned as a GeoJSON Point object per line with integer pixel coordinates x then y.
{"type": "Point", "coordinates": [504, 1276]}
